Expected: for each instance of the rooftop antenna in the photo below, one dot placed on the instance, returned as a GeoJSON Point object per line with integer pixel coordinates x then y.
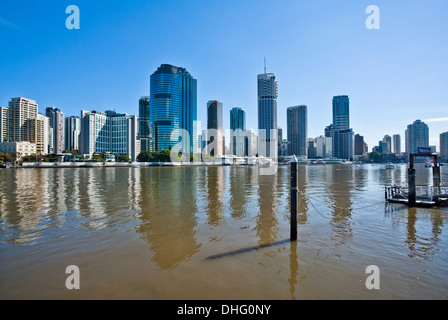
{"type": "Point", "coordinates": [264, 64]}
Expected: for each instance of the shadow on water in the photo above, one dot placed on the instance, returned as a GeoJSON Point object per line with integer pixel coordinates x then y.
{"type": "Point", "coordinates": [247, 249]}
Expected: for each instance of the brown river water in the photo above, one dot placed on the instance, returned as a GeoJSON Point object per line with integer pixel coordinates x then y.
{"type": "Point", "coordinates": [217, 233]}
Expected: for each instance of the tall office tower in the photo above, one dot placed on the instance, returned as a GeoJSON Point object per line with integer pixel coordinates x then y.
{"type": "Point", "coordinates": [416, 135]}
{"type": "Point", "coordinates": [396, 143]}
{"type": "Point", "coordinates": [343, 136]}
{"type": "Point", "coordinates": [237, 128]}
{"type": "Point", "coordinates": [20, 110]}
{"type": "Point", "coordinates": [173, 96]}
{"type": "Point", "coordinates": [72, 132]}
{"type": "Point", "coordinates": [341, 113]}
{"type": "Point", "coordinates": [215, 141]}
{"type": "Point", "coordinates": [387, 145]}
{"type": "Point", "coordinates": [359, 145]}
{"type": "Point", "coordinates": [144, 125]}
{"type": "Point", "coordinates": [38, 133]}
{"type": "Point", "coordinates": [444, 146]}
{"type": "Point", "coordinates": [267, 114]}
{"type": "Point", "coordinates": [109, 132]}
{"type": "Point", "coordinates": [57, 128]}
{"type": "Point", "coordinates": [297, 130]}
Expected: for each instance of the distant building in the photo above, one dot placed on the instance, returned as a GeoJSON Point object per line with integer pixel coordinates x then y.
{"type": "Point", "coordinates": [311, 148]}
{"type": "Point", "coordinates": [72, 132]}
{"type": "Point", "coordinates": [343, 136]}
{"type": "Point", "coordinates": [215, 125]}
{"type": "Point", "coordinates": [57, 130]}
{"type": "Point", "coordinates": [444, 146]}
{"type": "Point", "coordinates": [38, 130]}
{"type": "Point", "coordinates": [267, 114]}
{"type": "Point", "coordinates": [144, 124]}
{"type": "Point", "coordinates": [416, 135]}
{"type": "Point", "coordinates": [173, 107]}
{"type": "Point", "coordinates": [13, 120]}
{"type": "Point", "coordinates": [109, 132]}
{"type": "Point", "coordinates": [237, 128]}
{"type": "Point", "coordinates": [360, 145]}
{"type": "Point", "coordinates": [396, 144]}
{"type": "Point", "coordinates": [297, 130]}
{"type": "Point", "coordinates": [20, 149]}
{"type": "Point", "coordinates": [324, 148]}
{"type": "Point", "coordinates": [250, 143]}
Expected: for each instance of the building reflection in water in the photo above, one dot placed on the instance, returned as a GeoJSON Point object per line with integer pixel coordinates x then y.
{"type": "Point", "coordinates": [214, 184]}
{"type": "Point", "coordinates": [168, 214]}
{"type": "Point", "coordinates": [266, 220]}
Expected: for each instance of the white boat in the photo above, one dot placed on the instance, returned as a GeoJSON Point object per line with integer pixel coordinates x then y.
{"type": "Point", "coordinates": [390, 166]}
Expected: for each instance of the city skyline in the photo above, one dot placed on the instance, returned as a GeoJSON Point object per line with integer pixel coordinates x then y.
{"type": "Point", "coordinates": [389, 83]}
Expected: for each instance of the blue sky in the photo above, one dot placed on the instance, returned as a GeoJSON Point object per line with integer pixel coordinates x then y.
{"type": "Point", "coordinates": [317, 49]}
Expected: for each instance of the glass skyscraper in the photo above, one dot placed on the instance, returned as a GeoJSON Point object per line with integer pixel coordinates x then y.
{"type": "Point", "coordinates": [173, 97]}
{"type": "Point", "coordinates": [341, 113]}
{"type": "Point", "coordinates": [237, 127]}
{"type": "Point", "coordinates": [267, 114]}
{"type": "Point", "coordinates": [342, 135]}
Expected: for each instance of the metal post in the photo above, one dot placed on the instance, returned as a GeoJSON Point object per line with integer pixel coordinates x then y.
{"type": "Point", "coordinates": [294, 191]}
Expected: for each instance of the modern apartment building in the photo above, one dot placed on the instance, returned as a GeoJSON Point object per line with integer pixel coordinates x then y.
{"type": "Point", "coordinates": [57, 130]}
{"type": "Point", "coordinates": [109, 132]}
{"type": "Point", "coordinates": [72, 132]}
{"type": "Point", "coordinates": [416, 135]}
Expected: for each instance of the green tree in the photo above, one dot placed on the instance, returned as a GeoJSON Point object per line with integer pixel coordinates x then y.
{"type": "Point", "coordinates": [375, 156]}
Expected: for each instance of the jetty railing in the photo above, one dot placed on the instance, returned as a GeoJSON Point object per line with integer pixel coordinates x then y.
{"type": "Point", "coordinates": [429, 193]}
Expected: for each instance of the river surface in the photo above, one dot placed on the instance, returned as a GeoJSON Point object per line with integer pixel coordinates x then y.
{"type": "Point", "coordinates": [217, 233]}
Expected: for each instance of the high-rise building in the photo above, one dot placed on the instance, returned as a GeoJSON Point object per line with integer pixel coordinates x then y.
{"type": "Point", "coordinates": [444, 146]}
{"type": "Point", "coordinates": [72, 132]}
{"type": "Point", "coordinates": [267, 114]}
{"type": "Point", "coordinates": [38, 133]}
{"type": "Point", "coordinates": [416, 135]}
{"type": "Point", "coordinates": [215, 141]}
{"type": "Point", "coordinates": [359, 145]}
{"type": "Point", "coordinates": [341, 113]}
{"type": "Point", "coordinates": [396, 143]}
{"type": "Point", "coordinates": [387, 145]}
{"type": "Point", "coordinates": [57, 129]}
{"type": "Point", "coordinates": [144, 124]}
{"type": "Point", "coordinates": [109, 132]}
{"type": "Point", "coordinates": [173, 107]}
{"type": "Point", "coordinates": [21, 109]}
{"type": "Point", "coordinates": [297, 130]}
{"type": "Point", "coordinates": [22, 122]}
{"type": "Point", "coordinates": [237, 128]}
{"type": "Point", "coordinates": [343, 136]}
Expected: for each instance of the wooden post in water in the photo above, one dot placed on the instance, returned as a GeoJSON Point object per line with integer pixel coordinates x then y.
{"type": "Point", "coordinates": [411, 182]}
{"type": "Point", "coordinates": [293, 204]}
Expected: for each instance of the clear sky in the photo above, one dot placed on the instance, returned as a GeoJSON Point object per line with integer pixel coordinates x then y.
{"type": "Point", "coordinates": [317, 49]}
